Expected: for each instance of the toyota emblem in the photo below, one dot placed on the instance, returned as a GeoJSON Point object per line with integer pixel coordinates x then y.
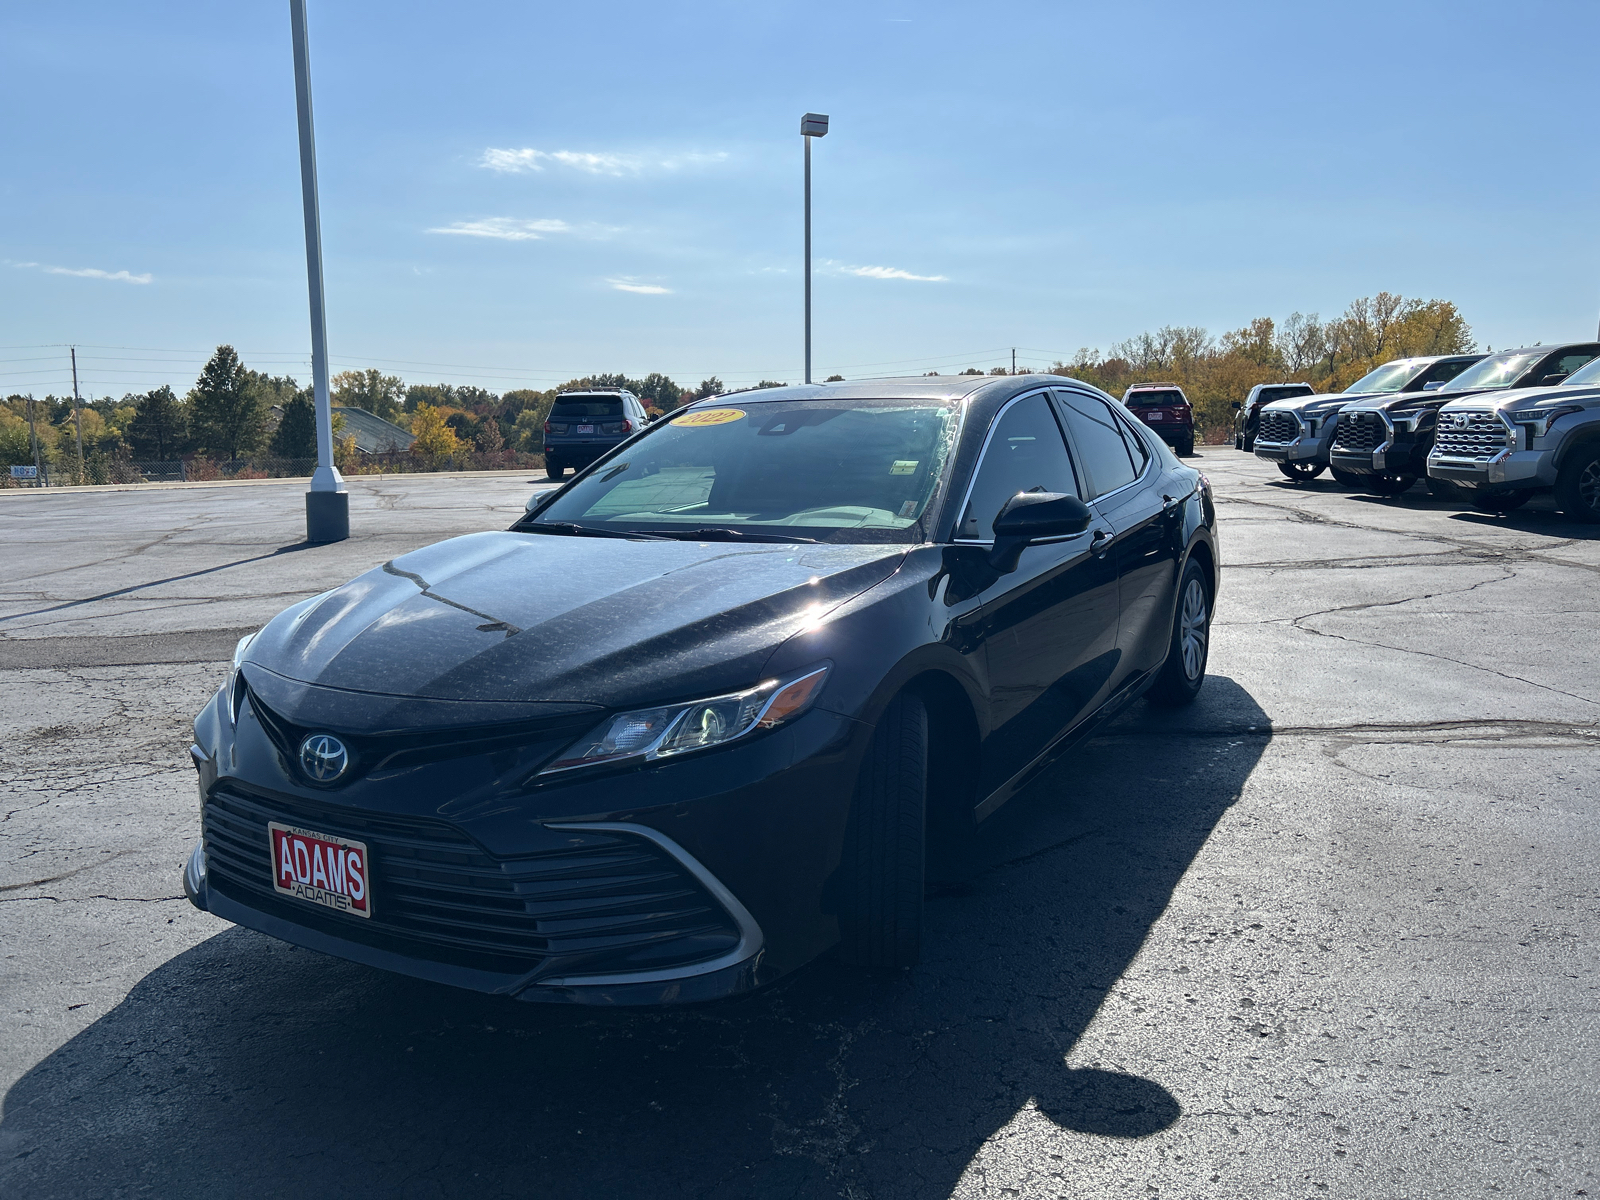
{"type": "Point", "coordinates": [323, 758]}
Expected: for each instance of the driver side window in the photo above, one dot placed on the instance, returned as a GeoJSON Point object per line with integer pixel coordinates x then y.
{"type": "Point", "coordinates": [1026, 453]}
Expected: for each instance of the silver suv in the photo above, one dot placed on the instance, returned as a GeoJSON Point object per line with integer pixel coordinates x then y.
{"type": "Point", "coordinates": [1504, 449]}
{"type": "Point", "coordinates": [1297, 433]}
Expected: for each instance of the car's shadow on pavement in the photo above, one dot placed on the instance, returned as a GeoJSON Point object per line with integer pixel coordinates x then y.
{"type": "Point", "coordinates": [248, 1067]}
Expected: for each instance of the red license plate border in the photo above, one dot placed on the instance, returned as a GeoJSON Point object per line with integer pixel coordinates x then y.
{"type": "Point", "coordinates": [309, 892]}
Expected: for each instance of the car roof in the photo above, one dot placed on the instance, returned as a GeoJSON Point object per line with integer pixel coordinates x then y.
{"type": "Point", "coordinates": [1550, 349]}
{"type": "Point", "coordinates": [913, 387]}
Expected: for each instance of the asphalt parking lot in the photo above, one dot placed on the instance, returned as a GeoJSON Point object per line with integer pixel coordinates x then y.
{"type": "Point", "coordinates": [1331, 932]}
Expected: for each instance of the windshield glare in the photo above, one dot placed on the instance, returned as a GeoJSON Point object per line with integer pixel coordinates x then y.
{"type": "Point", "coordinates": [837, 471]}
{"type": "Point", "coordinates": [1390, 377]}
{"type": "Point", "coordinates": [1497, 372]}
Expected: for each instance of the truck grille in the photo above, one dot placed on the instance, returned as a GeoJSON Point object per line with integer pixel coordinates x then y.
{"type": "Point", "coordinates": [1482, 436]}
{"type": "Point", "coordinates": [1359, 433]}
{"type": "Point", "coordinates": [1277, 426]}
{"type": "Point", "coordinates": [612, 902]}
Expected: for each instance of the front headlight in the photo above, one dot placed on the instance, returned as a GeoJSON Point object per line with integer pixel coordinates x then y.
{"type": "Point", "coordinates": [649, 734]}
{"type": "Point", "coordinates": [1538, 420]}
{"type": "Point", "coordinates": [234, 691]}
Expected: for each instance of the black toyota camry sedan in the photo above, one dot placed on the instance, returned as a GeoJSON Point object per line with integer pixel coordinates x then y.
{"type": "Point", "coordinates": [724, 701]}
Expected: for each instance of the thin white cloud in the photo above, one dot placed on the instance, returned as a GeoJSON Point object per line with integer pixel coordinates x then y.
{"type": "Point", "coordinates": [891, 273]}
{"type": "Point", "coordinates": [627, 284]}
{"type": "Point", "coordinates": [507, 229]}
{"type": "Point", "coordinates": [517, 162]}
{"type": "Point", "coordinates": [90, 273]}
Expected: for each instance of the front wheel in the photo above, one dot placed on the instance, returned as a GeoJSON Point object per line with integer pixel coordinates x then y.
{"type": "Point", "coordinates": [1498, 502]}
{"type": "Point", "coordinates": [1449, 491]}
{"type": "Point", "coordinates": [1578, 485]}
{"type": "Point", "coordinates": [1390, 483]}
{"type": "Point", "coordinates": [885, 844]}
{"type": "Point", "coordinates": [1185, 668]}
{"type": "Point", "coordinates": [1300, 472]}
{"type": "Point", "coordinates": [1348, 479]}
{"type": "Point", "coordinates": [553, 470]}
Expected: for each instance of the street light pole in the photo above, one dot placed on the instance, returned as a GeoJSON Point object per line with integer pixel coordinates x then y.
{"type": "Point", "coordinates": [327, 502]}
{"type": "Point", "coordinates": [812, 125]}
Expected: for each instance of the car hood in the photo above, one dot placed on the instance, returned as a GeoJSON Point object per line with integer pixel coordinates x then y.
{"type": "Point", "coordinates": [537, 617]}
{"type": "Point", "coordinates": [1520, 398]}
{"type": "Point", "coordinates": [1310, 405]}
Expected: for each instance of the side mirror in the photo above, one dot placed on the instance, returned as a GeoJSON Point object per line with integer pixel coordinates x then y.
{"type": "Point", "coordinates": [1237, 406]}
{"type": "Point", "coordinates": [1434, 386]}
{"type": "Point", "coordinates": [1031, 517]}
{"type": "Point", "coordinates": [1552, 379]}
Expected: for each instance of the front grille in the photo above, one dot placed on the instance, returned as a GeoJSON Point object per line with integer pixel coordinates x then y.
{"type": "Point", "coordinates": [1358, 432]}
{"type": "Point", "coordinates": [1277, 426]}
{"type": "Point", "coordinates": [612, 902]}
{"type": "Point", "coordinates": [1481, 437]}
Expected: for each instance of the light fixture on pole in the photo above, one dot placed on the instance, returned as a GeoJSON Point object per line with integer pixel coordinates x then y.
{"type": "Point", "coordinates": [327, 503]}
{"type": "Point", "coordinates": [812, 125]}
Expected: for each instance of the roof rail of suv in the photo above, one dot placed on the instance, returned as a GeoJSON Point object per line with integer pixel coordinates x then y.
{"type": "Point", "coordinates": [615, 391]}
{"type": "Point", "coordinates": [1139, 387]}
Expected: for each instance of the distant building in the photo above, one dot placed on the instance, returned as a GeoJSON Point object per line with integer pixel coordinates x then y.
{"type": "Point", "coordinates": [373, 434]}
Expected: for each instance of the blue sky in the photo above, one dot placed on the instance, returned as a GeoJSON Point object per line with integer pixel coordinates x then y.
{"type": "Point", "coordinates": [514, 194]}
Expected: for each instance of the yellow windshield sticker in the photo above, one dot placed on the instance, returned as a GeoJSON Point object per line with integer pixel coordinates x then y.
{"type": "Point", "coordinates": [710, 416]}
{"type": "Point", "coordinates": [904, 466]}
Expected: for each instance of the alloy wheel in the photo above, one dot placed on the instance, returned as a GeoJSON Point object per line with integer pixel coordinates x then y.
{"type": "Point", "coordinates": [1589, 486]}
{"type": "Point", "coordinates": [1194, 629]}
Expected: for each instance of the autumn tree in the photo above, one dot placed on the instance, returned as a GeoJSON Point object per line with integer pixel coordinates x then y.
{"type": "Point", "coordinates": [435, 439]}
{"type": "Point", "coordinates": [380, 394]}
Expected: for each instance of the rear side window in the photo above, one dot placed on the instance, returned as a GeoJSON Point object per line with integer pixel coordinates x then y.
{"type": "Point", "coordinates": [1099, 443]}
{"type": "Point", "coordinates": [588, 406]}
{"type": "Point", "coordinates": [1025, 454]}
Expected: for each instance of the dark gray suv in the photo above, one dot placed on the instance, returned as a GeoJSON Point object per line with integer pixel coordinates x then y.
{"type": "Point", "coordinates": [584, 425]}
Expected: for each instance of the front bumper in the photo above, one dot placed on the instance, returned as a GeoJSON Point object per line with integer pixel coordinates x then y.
{"type": "Point", "coordinates": [478, 891]}
{"type": "Point", "coordinates": [1509, 469]}
{"type": "Point", "coordinates": [1307, 448]}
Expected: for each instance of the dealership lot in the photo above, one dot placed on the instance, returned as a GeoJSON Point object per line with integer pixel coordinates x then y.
{"type": "Point", "coordinates": [1330, 932]}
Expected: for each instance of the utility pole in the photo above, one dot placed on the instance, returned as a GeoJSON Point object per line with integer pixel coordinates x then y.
{"type": "Point", "coordinates": [77, 421]}
{"type": "Point", "coordinates": [812, 125]}
{"type": "Point", "coordinates": [1013, 360]}
{"type": "Point", "coordinates": [327, 502]}
{"type": "Point", "coordinates": [38, 467]}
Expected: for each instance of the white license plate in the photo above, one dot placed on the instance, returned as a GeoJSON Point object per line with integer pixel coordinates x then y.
{"type": "Point", "coordinates": [585, 428]}
{"type": "Point", "coordinates": [321, 868]}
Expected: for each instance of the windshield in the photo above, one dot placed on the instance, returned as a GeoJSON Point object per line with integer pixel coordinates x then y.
{"type": "Point", "coordinates": [1390, 377]}
{"type": "Point", "coordinates": [836, 471]}
{"type": "Point", "coordinates": [1141, 399]}
{"type": "Point", "coordinates": [1584, 375]}
{"type": "Point", "coordinates": [1500, 371]}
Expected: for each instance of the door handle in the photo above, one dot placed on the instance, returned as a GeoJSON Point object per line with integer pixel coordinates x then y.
{"type": "Point", "coordinates": [1100, 543]}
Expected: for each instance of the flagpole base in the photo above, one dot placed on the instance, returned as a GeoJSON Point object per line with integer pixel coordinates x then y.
{"type": "Point", "coordinates": [327, 516]}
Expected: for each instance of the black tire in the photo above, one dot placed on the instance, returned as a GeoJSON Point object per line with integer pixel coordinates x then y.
{"type": "Point", "coordinates": [1348, 479]}
{"type": "Point", "coordinates": [1186, 448]}
{"type": "Point", "coordinates": [1238, 441]}
{"type": "Point", "coordinates": [1449, 492]}
{"type": "Point", "coordinates": [1185, 669]}
{"type": "Point", "coordinates": [1578, 485]}
{"type": "Point", "coordinates": [1497, 502]}
{"type": "Point", "coordinates": [554, 470]}
{"type": "Point", "coordinates": [1390, 483]}
{"type": "Point", "coordinates": [884, 863]}
{"type": "Point", "coordinates": [1300, 472]}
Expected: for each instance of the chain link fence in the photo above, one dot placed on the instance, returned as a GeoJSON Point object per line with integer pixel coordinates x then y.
{"type": "Point", "coordinates": [101, 469]}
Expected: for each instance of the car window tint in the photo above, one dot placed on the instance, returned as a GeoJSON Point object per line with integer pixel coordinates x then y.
{"type": "Point", "coordinates": [1098, 441]}
{"type": "Point", "coordinates": [1566, 364]}
{"type": "Point", "coordinates": [1136, 445]}
{"type": "Point", "coordinates": [1025, 454]}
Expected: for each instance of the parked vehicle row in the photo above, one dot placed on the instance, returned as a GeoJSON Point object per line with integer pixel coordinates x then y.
{"type": "Point", "coordinates": [1490, 430]}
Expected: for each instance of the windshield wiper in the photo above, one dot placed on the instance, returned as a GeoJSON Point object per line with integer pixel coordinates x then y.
{"type": "Point", "coordinates": [573, 529]}
{"type": "Point", "coordinates": [721, 533]}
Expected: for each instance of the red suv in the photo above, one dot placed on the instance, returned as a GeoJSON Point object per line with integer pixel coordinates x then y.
{"type": "Point", "coordinates": [1164, 408]}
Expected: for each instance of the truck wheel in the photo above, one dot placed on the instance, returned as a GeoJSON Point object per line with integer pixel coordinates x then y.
{"type": "Point", "coordinates": [1449, 492]}
{"type": "Point", "coordinates": [1185, 668]}
{"type": "Point", "coordinates": [885, 844]}
{"type": "Point", "coordinates": [554, 470]}
{"type": "Point", "coordinates": [1390, 483]}
{"type": "Point", "coordinates": [1348, 479]}
{"type": "Point", "coordinates": [1300, 472]}
{"type": "Point", "coordinates": [1501, 501]}
{"type": "Point", "coordinates": [1186, 447]}
{"type": "Point", "coordinates": [1578, 485]}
